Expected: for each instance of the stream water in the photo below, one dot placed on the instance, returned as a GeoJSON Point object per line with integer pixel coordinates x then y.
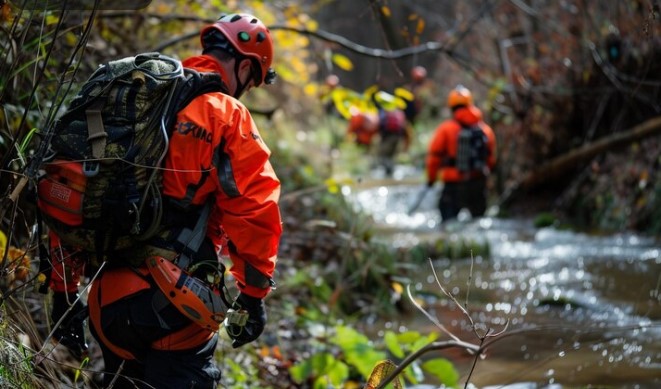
{"type": "Point", "coordinates": [577, 310]}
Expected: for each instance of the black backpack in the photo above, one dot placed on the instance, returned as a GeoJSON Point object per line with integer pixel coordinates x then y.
{"type": "Point", "coordinates": [392, 122]}
{"type": "Point", "coordinates": [100, 188]}
{"type": "Point", "coordinates": [472, 149]}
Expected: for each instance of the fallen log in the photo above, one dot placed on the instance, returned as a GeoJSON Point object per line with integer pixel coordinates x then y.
{"type": "Point", "coordinates": [565, 163]}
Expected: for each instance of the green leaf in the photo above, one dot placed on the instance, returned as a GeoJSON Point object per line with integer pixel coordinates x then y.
{"type": "Point", "coordinates": [301, 371]}
{"type": "Point", "coordinates": [408, 337]}
{"type": "Point", "coordinates": [442, 369]}
{"type": "Point", "coordinates": [334, 375]}
{"type": "Point", "coordinates": [323, 367]}
{"type": "Point", "coordinates": [358, 350]}
{"type": "Point", "coordinates": [390, 338]}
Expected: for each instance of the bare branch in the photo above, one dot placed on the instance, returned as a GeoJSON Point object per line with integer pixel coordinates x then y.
{"type": "Point", "coordinates": [451, 297]}
{"type": "Point", "coordinates": [430, 317]}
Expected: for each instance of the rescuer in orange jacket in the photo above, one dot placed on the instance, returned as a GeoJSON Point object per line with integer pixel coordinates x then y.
{"type": "Point", "coordinates": [216, 156]}
{"type": "Point", "coordinates": [362, 127]}
{"type": "Point", "coordinates": [464, 173]}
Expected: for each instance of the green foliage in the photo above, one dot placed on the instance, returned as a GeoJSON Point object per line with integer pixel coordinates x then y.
{"type": "Point", "coordinates": [360, 354]}
{"type": "Point", "coordinates": [443, 370]}
{"type": "Point", "coordinates": [15, 360]}
{"type": "Point", "coordinates": [357, 349]}
{"type": "Point", "coordinates": [544, 220]}
{"type": "Point", "coordinates": [406, 343]}
{"type": "Point", "coordinates": [323, 369]}
{"type": "Point", "coordinates": [451, 247]}
{"type": "Point", "coordinates": [240, 375]}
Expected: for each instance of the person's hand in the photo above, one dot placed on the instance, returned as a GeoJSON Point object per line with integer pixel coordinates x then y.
{"type": "Point", "coordinates": [71, 332]}
{"type": "Point", "coordinates": [254, 326]}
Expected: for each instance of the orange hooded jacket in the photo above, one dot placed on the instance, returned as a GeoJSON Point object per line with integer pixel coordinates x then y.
{"type": "Point", "coordinates": [216, 150]}
{"type": "Point", "coordinates": [444, 142]}
{"type": "Point", "coordinates": [363, 126]}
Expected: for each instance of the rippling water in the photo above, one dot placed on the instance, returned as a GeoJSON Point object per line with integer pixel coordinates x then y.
{"type": "Point", "coordinates": [580, 309]}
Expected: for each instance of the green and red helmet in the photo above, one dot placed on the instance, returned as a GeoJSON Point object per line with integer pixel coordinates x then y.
{"type": "Point", "coordinates": [246, 35]}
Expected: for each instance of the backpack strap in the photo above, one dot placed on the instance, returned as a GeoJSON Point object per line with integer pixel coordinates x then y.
{"type": "Point", "coordinates": [191, 240]}
{"type": "Point", "coordinates": [95, 130]}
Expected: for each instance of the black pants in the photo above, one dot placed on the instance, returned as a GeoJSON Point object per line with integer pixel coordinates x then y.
{"type": "Point", "coordinates": [471, 194]}
{"type": "Point", "coordinates": [133, 324]}
{"type": "Point", "coordinates": [388, 147]}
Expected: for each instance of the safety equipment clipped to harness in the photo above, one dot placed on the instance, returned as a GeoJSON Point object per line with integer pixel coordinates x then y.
{"type": "Point", "coordinates": [192, 297]}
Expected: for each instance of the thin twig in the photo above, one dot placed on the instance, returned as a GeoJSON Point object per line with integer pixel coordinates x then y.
{"type": "Point", "coordinates": [469, 280]}
{"type": "Point", "coordinates": [430, 317]}
{"type": "Point", "coordinates": [56, 325]}
{"type": "Point", "coordinates": [470, 373]}
{"type": "Point", "coordinates": [450, 296]}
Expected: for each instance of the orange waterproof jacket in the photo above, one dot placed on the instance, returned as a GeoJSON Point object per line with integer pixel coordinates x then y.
{"type": "Point", "coordinates": [216, 150]}
{"type": "Point", "coordinates": [444, 142]}
{"type": "Point", "coordinates": [363, 126]}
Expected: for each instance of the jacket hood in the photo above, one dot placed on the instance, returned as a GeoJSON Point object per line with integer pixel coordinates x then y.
{"type": "Point", "coordinates": [468, 116]}
{"type": "Point", "coordinates": [205, 63]}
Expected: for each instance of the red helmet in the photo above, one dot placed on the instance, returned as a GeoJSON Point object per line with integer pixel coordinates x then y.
{"type": "Point", "coordinates": [460, 95]}
{"type": "Point", "coordinates": [418, 73]}
{"type": "Point", "coordinates": [332, 80]}
{"type": "Point", "coordinates": [246, 35]}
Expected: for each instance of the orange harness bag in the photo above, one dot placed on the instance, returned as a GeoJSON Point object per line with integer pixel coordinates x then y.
{"type": "Point", "coordinates": [116, 284]}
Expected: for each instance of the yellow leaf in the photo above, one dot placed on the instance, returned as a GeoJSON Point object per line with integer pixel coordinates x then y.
{"type": "Point", "coordinates": [389, 102]}
{"type": "Point", "coordinates": [420, 26]}
{"type": "Point", "coordinates": [342, 62]}
{"type": "Point", "coordinates": [351, 385]}
{"type": "Point", "coordinates": [385, 10]}
{"type": "Point", "coordinates": [51, 19]}
{"type": "Point", "coordinates": [312, 25]}
{"type": "Point", "coordinates": [370, 91]}
{"type": "Point", "coordinates": [311, 89]}
{"type": "Point", "coordinates": [380, 372]}
{"type": "Point", "coordinates": [404, 93]}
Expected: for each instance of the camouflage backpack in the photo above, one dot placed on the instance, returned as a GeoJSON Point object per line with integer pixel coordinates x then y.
{"type": "Point", "coordinates": [100, 189]}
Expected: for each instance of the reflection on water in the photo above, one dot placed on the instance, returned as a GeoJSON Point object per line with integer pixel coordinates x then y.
{"type": "Point", "coordinates": [580, 309]}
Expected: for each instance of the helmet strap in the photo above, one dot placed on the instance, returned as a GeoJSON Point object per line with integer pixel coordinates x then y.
{"type": "Point", "coordinates": [240, 86]}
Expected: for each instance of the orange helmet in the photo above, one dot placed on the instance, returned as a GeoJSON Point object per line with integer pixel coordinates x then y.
{"type": "Point", "coordinates": [245, 34]}
{"type": "Point", "coordinates": [418, 73]}
{"type": "Point", "coordinates": [460, 95]}
{"type": "Point", "coordinates": [192, 297]}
